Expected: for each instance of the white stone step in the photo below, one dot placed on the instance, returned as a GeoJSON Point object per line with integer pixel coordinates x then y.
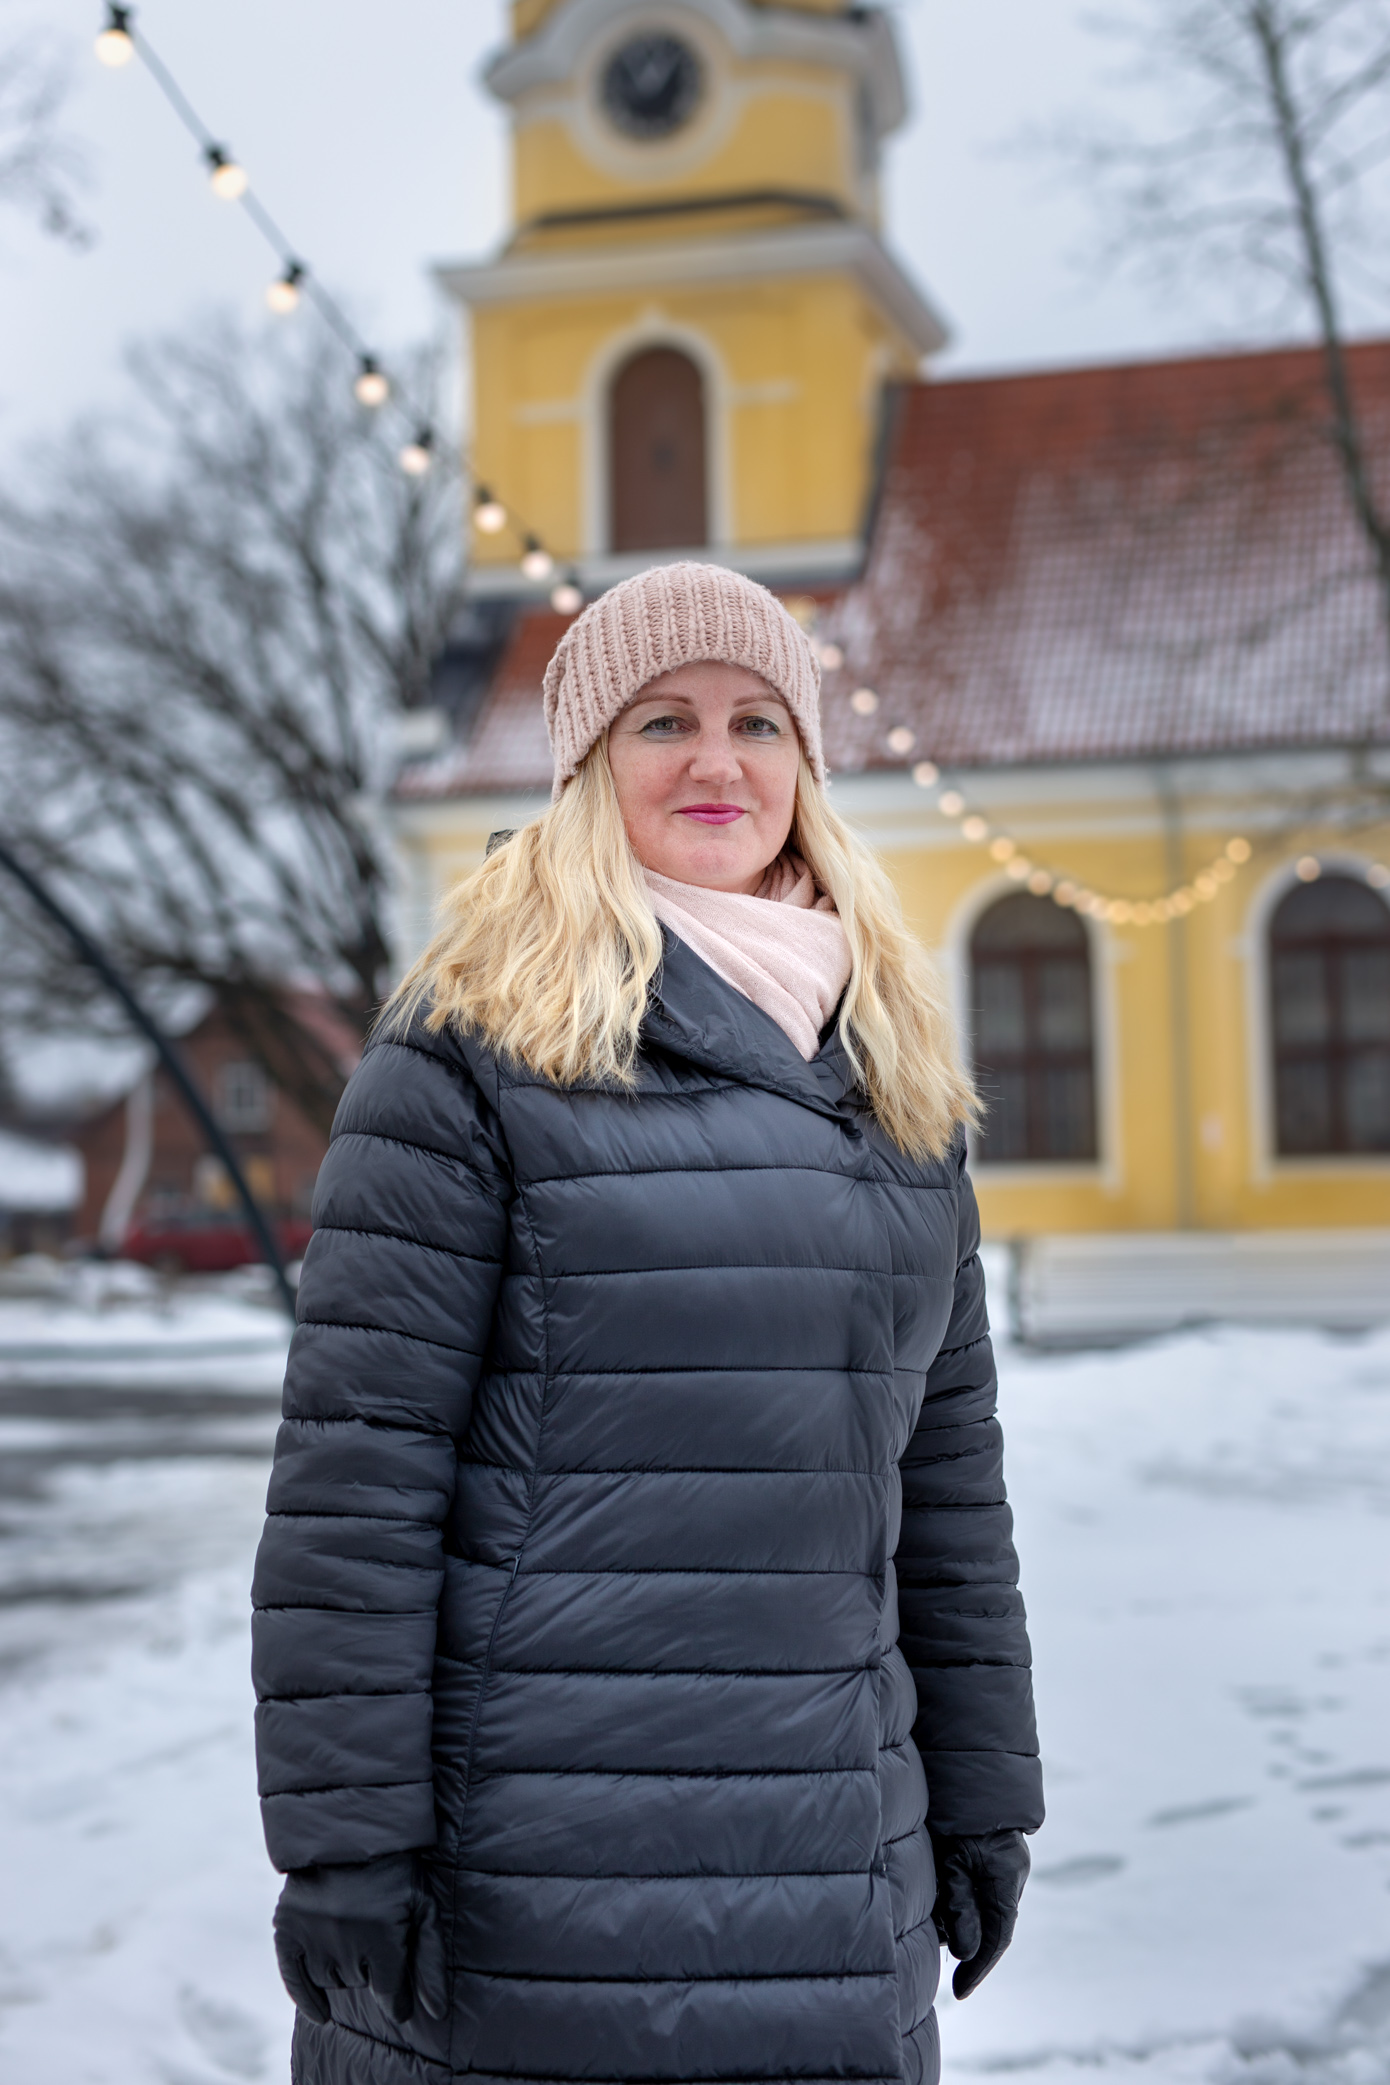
{"type": "Point", "coordinates": [1095, 1289]}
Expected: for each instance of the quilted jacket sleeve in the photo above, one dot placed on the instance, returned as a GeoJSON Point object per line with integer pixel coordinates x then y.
{"type": "Point", "coordinates": [395, 1309]}
{"type": "Point", "coordinates": [962, 1623]}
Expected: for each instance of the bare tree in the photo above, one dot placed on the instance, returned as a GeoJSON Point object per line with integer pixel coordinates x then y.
{"type": "Point", "coordinates": [42, 168]}
{"type": "Point", "coordinates": [1257, 159]}
{"type": "Point", "coordinates": [208, 625]}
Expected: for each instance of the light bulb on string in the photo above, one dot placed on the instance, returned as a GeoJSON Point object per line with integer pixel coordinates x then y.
{"type": "Point", "coordinates": [974, 829]}
{"type": "Point", "coordinates": [831, 657]}
{"type": "Point", "coordinates": [950, 803]}
{"type": "Point", "coordinates": [415, 457]}
{"type": "Point", "coordinates": [370, 387]}
{"type": "Point", "coordinates": [925, 773]}
{"type": "Point", "coordinates": [901, 739]}
{"type": "Point", "coordinates": [863, 702]}
{"type": "Point", "coordinates": [537, 564]}
{"type": "Point", "coordinates": [116, 46]}
{"type": "Point", "coordinates": [1307, 868]}
{"type": "Point", "coordinates": [282, 295]}
{"type": "Point", "coordinates": [489, 515]}
{"type": "Point", "coordinates": [568, 597]}
{"type": "Point", "coordinates": [230, 180]}
{"type": "Point", "coordinates": [1378, 876]}
{"type": "Point", "coordinates": [1238, 851]}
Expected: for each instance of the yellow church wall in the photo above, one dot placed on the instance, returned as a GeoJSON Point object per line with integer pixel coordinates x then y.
{"type": "Point", "coordinates": [793, 368]}
{"type": "Point", "coordinates": [1184, 1097]}
{"type": "Point", "coordinates": [791, 129]}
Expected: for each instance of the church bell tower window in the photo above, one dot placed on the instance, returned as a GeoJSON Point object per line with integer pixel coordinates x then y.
{"type": "Point", "coordinates": [657, 484]}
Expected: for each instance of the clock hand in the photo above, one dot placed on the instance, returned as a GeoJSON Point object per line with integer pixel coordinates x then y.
{"type": "Point", "coordinates": [652, 74]}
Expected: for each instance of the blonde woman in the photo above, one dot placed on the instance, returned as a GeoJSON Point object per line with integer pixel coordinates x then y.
{"type": "Point", "coordinates": [639, 1647]}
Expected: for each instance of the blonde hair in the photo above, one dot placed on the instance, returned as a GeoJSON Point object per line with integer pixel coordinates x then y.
{"type": "Point", "coordinates": [547, 952]}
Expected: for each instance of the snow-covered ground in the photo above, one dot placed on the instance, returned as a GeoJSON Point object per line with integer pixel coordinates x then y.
{"type": "Point", "coordinates": [1204, 1531]}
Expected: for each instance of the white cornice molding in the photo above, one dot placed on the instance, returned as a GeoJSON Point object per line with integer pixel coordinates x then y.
{"type": "Point", "coordinates": [863, 44]}
{"type": "Point", "coordinates": [820, 249]}
{"type": "Point", "coordinates": [832, 560]}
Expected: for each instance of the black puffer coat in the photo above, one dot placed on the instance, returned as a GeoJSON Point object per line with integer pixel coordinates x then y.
{"type": "Point", "coordinates": [627, 1439]}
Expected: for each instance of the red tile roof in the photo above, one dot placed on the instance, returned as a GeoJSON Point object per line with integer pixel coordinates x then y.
{"type": "Point", "coordinates": [1148, 560]}
{"type": "Point", "coordinates": [507, 748]}
{"type": "Point", "coordinates": [1108, 563]}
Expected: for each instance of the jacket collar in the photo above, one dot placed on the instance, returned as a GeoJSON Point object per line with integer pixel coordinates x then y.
{"type": "Point", "coordinates": [694, 1014]}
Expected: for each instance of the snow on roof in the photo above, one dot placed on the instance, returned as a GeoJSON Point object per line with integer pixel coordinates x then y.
{"type": "Point", "coordinates": [1113, 563]}
{"type": "Point", "coordinates": [38, 1179]}
{"type": "Point", "coordinates": [508, 748]}
{"type": "Point", "coordinates": [1091, 564]}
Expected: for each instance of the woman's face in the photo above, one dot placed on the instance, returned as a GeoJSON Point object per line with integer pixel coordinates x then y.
{"type": "Point", "coordinates": [705, 760]}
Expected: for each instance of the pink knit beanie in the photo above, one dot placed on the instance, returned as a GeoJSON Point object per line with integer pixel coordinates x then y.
{"type": "Point", "coordinates": [668, 616]}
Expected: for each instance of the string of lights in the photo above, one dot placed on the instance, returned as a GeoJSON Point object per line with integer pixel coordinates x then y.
{"type": "Point", "coordinates": [1069, 891]}
{"type": "Point", "coordinates": [373, 386]}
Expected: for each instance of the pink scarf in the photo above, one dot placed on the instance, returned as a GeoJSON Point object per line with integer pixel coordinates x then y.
{"type": "Point", "coordinates": [790, 957]}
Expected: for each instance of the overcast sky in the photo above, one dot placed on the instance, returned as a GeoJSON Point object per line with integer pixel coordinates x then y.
{"type": "Point", "coordinates": [368, 136]}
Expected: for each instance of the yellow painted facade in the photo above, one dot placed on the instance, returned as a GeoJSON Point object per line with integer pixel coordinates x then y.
{"type": "Point", "coordinates": [1184, 1052]}
{"type": "Point", "coordinates": [794, 367]}
{"type": "Point", "coordinates": [747, 239]}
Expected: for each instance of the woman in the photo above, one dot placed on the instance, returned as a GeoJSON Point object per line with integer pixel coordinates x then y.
{"type": "Point", "coordinates": [637, 1531]}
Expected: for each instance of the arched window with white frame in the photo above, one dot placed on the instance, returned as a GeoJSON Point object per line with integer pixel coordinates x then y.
{"type": "Point", "coordinates": [1329, 977]}
{"type": "Point", "coordinates": [1033, 1033]}
{"type": "Point", "coordinates": [658, 494]}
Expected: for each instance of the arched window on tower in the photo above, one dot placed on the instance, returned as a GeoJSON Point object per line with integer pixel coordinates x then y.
{"type": "Point", "coordinates": [656, 443]}
{"type": "Point", "coordinates": [1034, 1046]}
{"type": "Point", "coordinates": [1329, 968]}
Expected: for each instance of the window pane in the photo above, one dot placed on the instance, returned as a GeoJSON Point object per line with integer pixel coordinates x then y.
{"type": "Point", "coordinates": [1022, 923]}
{"type": "Point", "coordinates": [1333, 905]}
{"type": "Point", "coordinates": [243, 1097]}
{"type": "Point", "coordinates": [1000, 1027]}
{"type": "Point", "coordinates": [1067, 1129]}
{"type": "Point", "coordinates": [1305, 1112]}
{"type": "Point", "coordinates": [1005, 1135]}
{"type": "Point", "coordinates": [1365, 994]}
{"type": "Point", "coordinates": [1031, 990]}
{"type": "Point", "coordinates": [1064, 1006]}
{"type": "Point", "coordinates": [1301, 1012]}
{"type": "Point", "coordinates": [1366, 1102]}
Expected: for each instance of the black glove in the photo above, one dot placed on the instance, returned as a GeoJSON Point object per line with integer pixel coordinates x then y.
{"type": "Point", "coordinates": [978, 1885]}
{"type": "Point", "coordinates": [337, 1929]}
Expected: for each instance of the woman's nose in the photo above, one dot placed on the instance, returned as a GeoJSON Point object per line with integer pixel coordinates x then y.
{"type": "Point", "coordinates": [713, 759]}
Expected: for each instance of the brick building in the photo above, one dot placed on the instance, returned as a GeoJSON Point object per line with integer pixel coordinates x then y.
{"type": "Point", "coordinates": [148, 1169]}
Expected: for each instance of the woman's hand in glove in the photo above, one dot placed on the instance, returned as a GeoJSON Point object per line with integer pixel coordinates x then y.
{"type": "Point", "coordinates": [978, 1884]}
{"type": "Point", "coordinates": [337, 1929]}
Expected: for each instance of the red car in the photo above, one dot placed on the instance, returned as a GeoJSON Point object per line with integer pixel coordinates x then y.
{"type": "Point", "coordinates": [208, 1244]}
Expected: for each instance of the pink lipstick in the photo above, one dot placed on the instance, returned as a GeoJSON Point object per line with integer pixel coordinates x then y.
{"type": "Point", "coordinates": [712, 814]}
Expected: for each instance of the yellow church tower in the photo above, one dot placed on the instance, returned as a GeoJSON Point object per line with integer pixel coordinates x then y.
{"type": "Point", "coordinates": [683, 343]}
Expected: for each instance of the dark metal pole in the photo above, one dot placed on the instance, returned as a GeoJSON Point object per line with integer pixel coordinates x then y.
{"type": "Point", "coordinates": [168, 1057]}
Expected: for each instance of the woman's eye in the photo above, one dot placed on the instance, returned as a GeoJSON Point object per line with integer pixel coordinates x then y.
{"type": "Point", "coordinates": [762, 727]}
{"type": "Point", "coordinates": [663, 727]}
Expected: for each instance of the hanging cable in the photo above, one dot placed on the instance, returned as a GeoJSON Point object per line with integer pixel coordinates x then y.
{"type": "Point", "coordinates": [373, 387]}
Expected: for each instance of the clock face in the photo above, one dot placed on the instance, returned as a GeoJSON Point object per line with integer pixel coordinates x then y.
{"type": "Point", "coordinates": [651, 85]}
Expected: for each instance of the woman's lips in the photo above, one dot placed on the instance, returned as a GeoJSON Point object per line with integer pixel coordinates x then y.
{"type": "Point", "coordinates": [712, 814]}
